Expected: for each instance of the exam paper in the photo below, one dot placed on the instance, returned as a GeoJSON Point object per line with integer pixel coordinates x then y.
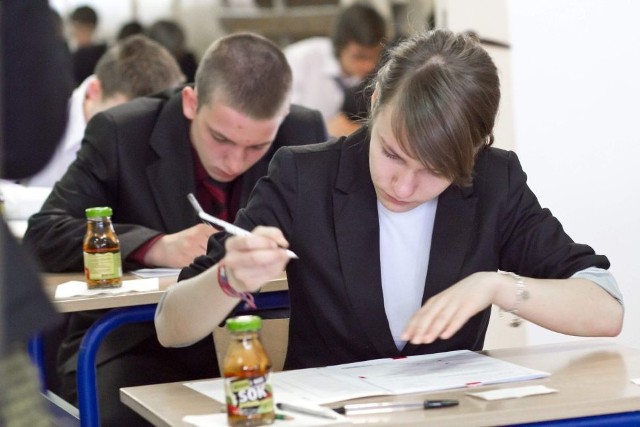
{"type": "Point", "coordinates": [414, 374]}
{"type": "Point", "coordinates": [76, 288]}
{"type": "Point", "coordinates": [146, 273]}
{"type": "Point", "coordinates": [432, 372]}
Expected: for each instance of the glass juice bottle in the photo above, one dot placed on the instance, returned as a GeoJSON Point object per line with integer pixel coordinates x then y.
{"type": "Point", "coordinates": [101, 250]}
{"type": "Point", "coordinates": [246, 374]}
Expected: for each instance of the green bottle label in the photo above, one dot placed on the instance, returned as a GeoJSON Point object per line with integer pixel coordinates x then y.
{"type": "Point", "coordinates": [249, 396]}
{"type": "Point", "coordinates": [103, 266]}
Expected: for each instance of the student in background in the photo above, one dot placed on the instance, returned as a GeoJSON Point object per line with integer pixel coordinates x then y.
{"type": "Point", "coordinates": [85, 51]}
{"type": "Point", "coordinates": [130, 28]}
{"type": "Point", "coordinates": [170, 35]}
{"type": "Point", "coordinates": [214, 140]}
{"type": "Point", "coordinates": [323, 68]}
{"type": "Point", "coordinates": [134, 67]}
{"type": "Point", "coordinates": [401, 229]}
{"type": "Point", "coordinates": [131, 68]}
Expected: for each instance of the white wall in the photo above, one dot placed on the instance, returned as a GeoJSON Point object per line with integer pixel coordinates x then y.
{"type": "Point", "coordinates": [576, 83]}
{"type": "Point", "coordinates": [486, 17]}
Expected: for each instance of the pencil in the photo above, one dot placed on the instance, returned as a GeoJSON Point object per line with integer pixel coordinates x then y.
{"type": "Point", "coordinates": [284, 417]}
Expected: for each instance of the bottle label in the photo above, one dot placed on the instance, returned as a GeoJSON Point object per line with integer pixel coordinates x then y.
{"type": "Point", "coordinates": [103, 266]}
{"type": "Point", "coordinates": [249, 397]}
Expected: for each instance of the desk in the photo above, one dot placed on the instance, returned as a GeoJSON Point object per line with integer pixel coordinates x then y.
{"type": "Point", "coordinates": [592, 378]}
{"type": "Point", "coordinates": [52, 280]}
{"type": "Point", "coordinates": [131, 308]}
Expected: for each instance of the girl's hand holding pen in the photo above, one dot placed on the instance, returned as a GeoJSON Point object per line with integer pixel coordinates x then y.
{"type": "Point", "coordinates": [254, 259]}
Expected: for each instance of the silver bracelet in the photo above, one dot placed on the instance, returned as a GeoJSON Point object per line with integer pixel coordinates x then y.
{"type": "Point", "coordinates": [521, 295]}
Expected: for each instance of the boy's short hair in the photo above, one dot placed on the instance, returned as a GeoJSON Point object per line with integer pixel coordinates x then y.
{"type": "Point", "coordinates": [84, 15]}
{"type": "Point", "coordinates": [249, 72]}
{"type": "Point", "coordinates": [360, 24]}
{"type": "Point", "coordinates": [137, 66]}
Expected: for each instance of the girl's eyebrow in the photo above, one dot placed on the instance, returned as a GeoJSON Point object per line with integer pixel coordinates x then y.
{"type": "Point", "coordinates": [386, 146]}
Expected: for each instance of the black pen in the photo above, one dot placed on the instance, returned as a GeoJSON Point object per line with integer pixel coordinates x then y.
{"type": "Point", "coordinates": [382, 407]}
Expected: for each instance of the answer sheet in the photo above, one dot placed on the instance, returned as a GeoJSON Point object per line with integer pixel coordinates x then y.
{"type": "Point", "coordinates": [430, 372]}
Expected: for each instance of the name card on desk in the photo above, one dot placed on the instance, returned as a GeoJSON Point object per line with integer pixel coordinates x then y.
{"type": "Point", "coordinates": [413, 374]}
{"type": "Point", "coordinates": [76, 288]}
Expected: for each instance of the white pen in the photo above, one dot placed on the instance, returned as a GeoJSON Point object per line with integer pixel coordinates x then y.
{"type": "Point", "coordinates": [306, 411]}
{"type": "Point", "coordinates": [227, 226]}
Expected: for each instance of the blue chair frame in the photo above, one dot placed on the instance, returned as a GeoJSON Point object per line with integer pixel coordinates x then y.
{"type": "Point", "coordinates": [35, 348]}
{"type": "Point", "coordinates": [609, 420]}
{"type": "Point", "coordinates": [87, 370]}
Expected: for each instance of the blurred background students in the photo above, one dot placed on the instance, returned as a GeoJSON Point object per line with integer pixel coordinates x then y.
{"type": "Point", "coordinates": [130, 28]}
{"type": "Point", "coordinates": [134, 67]}
{"type": "Point", "coordinates": [86, 53]}
{"type": "Point", "coordinates": [323, 68]}
{"type": "Point", "coordinates": [214, 140]}
{"type": "Point", "coordinates": [170, 35]}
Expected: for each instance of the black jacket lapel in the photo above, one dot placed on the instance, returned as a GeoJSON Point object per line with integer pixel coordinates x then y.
{"type": "Point", "coordinates": [174, 167]}
{"type": "Point", "coordinates": [357, 235]}
{"type": "Point", "coordinates": [452, 232]}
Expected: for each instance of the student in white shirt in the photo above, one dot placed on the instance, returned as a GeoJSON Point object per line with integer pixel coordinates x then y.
{"type": "Point", "coordinates": [133, 67]}
{"type": "Point", "coordinates": [323, 67]}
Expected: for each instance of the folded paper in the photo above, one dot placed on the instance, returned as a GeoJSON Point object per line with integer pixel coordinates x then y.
{"type": "Point", "coordinates": [77, 288]}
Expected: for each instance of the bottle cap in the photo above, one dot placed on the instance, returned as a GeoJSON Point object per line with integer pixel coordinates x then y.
{"type": "Point", "coordinates": [244, 323]}
{"type": "Point", "coordinates": [98, 212]}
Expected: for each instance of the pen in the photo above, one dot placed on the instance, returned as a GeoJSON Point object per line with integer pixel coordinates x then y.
{"type": "Point", "coordinates": [377, 408]}
{"type": "Point", "coordinates": [283, 417]}
{"type": "Point", "coordinates": [306, 411]}
{"type": "Point", "coordinates": [227, 226]}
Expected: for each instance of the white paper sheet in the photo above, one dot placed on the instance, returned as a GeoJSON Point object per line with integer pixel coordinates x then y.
{"type": "Point", "coordinates": [513, 392]}
{"type": "Point", "coordinates": [76, 288]}
{"type": "Point", "coordinates": [431, 372]}
{"type": "Point", "coordinates": [146, 273]}
{"type": "Point", "coordinates": [457, 369]}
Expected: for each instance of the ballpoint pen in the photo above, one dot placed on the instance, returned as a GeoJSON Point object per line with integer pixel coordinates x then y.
{"type": "Point", "coordinates": [382, 407]}
{"type": "Point", "coordinates": [283, 417]}
{"type": "Point", "coordinates": [306, 411]}
{"type": "Point", "coordinates": [228, 227]}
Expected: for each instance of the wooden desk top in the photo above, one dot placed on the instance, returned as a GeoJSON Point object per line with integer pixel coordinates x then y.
{"type": "Point", "coordinates": [52, 280]}
{"type": "Point", "coordinates": [592, 378]}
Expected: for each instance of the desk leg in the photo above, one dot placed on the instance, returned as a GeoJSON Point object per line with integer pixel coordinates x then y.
{"type": "Point", "coordinates": [86, 375]}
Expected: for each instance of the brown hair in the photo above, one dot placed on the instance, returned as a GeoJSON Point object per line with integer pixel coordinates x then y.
{"type": "Point", "coordinates": [444, 92]}
{"type": "Point", "coordinates": [360, 24]}
{"type": "Point", "coordinates": [137, 66]}
{"type": "Point", "coordinates": [248, 71]}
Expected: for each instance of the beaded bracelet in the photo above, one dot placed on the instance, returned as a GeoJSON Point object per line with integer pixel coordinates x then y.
{"type": "Point", "coordinates": [225, 286]}
{"type": "Point", "coordinates": [521, 295]}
